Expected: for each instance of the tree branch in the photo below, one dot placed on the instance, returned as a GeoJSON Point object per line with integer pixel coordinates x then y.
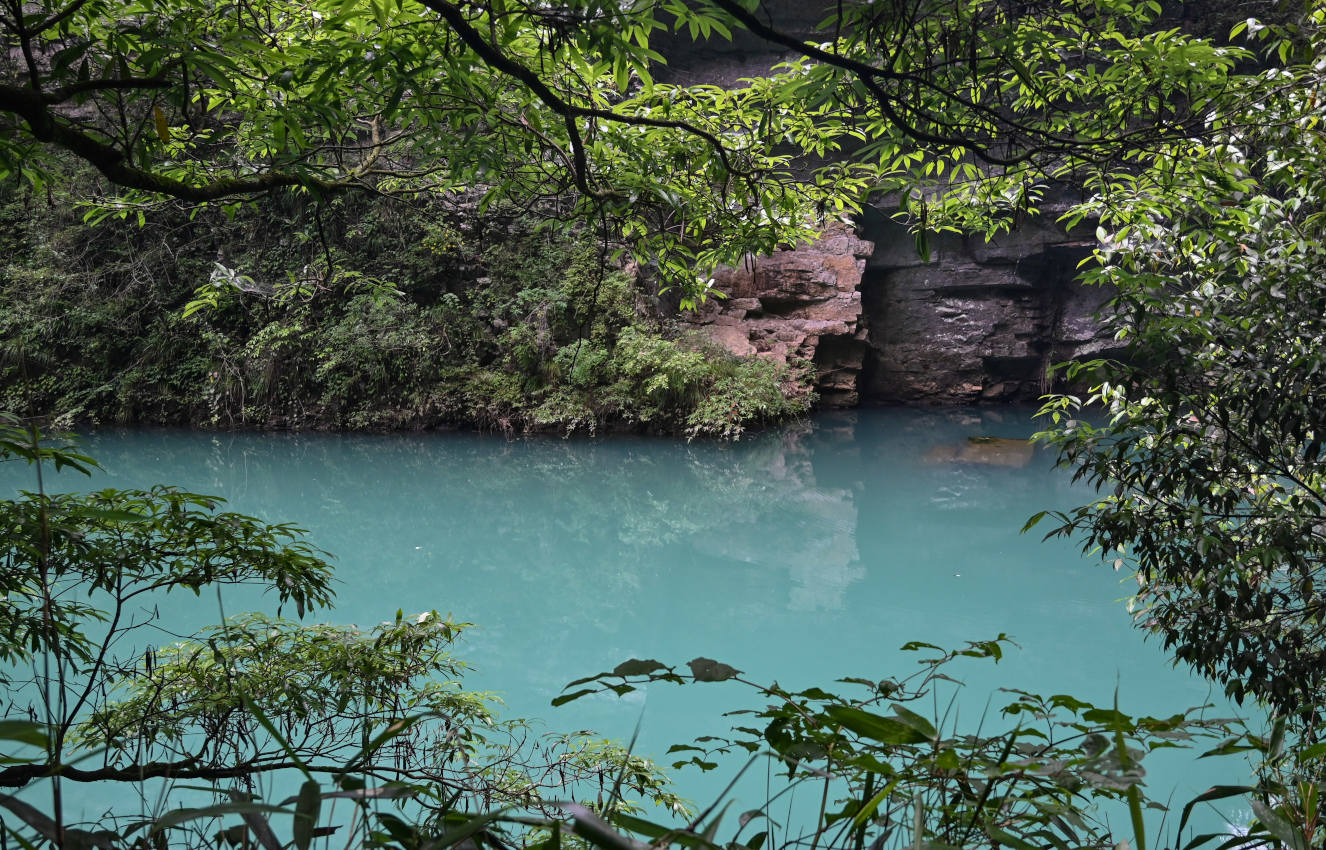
{"type": "Point", "coordinates": [65, 93]}
{"type": "Point", "coordinates": [48, 127]}
{"type": "Point", "coordinates": [17, 776]}
{"type": "Point", "coordinates": [59, 16]}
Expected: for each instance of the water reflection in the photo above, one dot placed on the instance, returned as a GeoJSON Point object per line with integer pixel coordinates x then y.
{"type": "Point", "coordinates": [782, 510]}
{"type": "Point", "coordinates": [839, 538]}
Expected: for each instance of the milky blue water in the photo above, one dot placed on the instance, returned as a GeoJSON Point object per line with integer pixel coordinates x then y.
{"type": "Point", "coordinates": [803, 555]}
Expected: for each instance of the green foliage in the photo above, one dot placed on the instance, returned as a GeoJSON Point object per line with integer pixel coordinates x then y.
{"type": "Point", "coordinates": [301, 677]}
{"type": "Point", "coordinates": [58, 551]}
{"type": "Point", "coordinates": [505, 325]}
{"type": "Point", "coordinates": [1208, 466]}
{"type": "Point", "coordinates": [718, 393]}
{"type": "Point", "coordinates": [890, 766]}
{"type": "Point", "coordinates": [964, 113]}
{"type": "Point", "coordinates": [1208, 186]}
{"type": "Point", "coordinates": [964, 109]}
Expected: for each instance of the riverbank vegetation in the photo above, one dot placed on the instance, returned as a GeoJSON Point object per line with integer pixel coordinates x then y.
{"type": "Point", "coordinates": [1202, 164]}
{"type": "Point", "coordinates": [360, 314]}
{"type": "Point", "coordinates": [233, 705]}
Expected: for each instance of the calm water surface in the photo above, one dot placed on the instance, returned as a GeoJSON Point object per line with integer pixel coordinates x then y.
{"type": "Point", "coordinates": [804, 555]}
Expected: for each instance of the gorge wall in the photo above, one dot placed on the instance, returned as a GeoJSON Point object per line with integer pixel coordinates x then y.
{"type": "Point", "coordinates": [978, 322]}
{"type": "Point", "coordinates": [982, 320]}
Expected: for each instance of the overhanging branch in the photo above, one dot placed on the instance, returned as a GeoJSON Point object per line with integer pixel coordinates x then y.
{"type": "Point", "coordinates": [46, 126]}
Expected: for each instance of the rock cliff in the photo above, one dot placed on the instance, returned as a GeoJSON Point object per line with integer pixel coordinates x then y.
{"type": "Point", "coordinates": [978, 322]}
{"type": "Point", "coordinates": [981, 321]}
{"type": "Point", "coordinates": [801, 306]}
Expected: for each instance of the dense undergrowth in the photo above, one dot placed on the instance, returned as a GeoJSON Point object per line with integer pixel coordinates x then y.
{"type": "Point", "coordinates": [352, 313]}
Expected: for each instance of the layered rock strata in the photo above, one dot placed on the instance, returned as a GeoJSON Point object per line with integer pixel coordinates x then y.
{"type": "Point", "coordinates": [800, 306]}
{"type": "Point", "coordinates": [978, 321]}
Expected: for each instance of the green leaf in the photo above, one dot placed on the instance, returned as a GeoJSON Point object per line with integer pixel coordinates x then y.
{"type": "Point", "coordinates": [916, 721]}
{"type": "Point", "coordinates": [1111, 717]}
{"type": "Point", "coordinates": [162, 128]}
{"type": "Point", "coordinates": [471, 826]}
{"type": "Point", "coordinates": [1216, 792]}
{"type": "Point", "coordinates": [575, 695]}
{"type": "Point", "coordinates": [306, 813]}
{"type": "Point", "coordinates": [1278, 826]}
{"type": "Point", "coordinates": [709, 670]}
{"type": "Point", "coordinates": [25, 732]}
{"type": "Point", "coordinates": [872, 805]}
{"type": "Point", "coordinates": [640, 825]}
{"type": "Point", "coordinates": [886, 730]}
{"type": "Point", "coordinates": [947, 759]}
{"type": "Point", "coordinates": [637, 667]}
{"type": "Point", "coordinates": [1311, 753]}
{"type": "Point", "coordinates": [590, 827]}
{"type": "Point", "coordinates": [1031, 523]}
{"type": "Point", "coordinates": [1133, 794]}
{"type": "Point", "coordinates": [184, 815]}
{"type": "Point", "coordinates": [108, 515]}
{"type": "Point", "coordinates": [1002, 836]}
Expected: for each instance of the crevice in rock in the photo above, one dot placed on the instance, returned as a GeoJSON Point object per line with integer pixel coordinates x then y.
{"type": "Point", "coordinates": [977, 290]}
{"type": "Point", "coordinates": [774, 305]}
{"type": "Point", "coordinates": [838, 360]}
{"type": "Point", "coordinates": [980, 321]}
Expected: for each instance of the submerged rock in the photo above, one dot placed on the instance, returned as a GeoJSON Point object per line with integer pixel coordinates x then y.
{"type": "Point", "coordinates": [991, 451]}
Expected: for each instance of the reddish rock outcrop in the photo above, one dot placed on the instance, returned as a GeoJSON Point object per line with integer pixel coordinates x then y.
{"type": "Point", "coordinates": [799, 306]}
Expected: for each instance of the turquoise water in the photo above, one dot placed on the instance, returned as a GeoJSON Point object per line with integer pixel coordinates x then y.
{"type": "Point", "coordinates": [801, 555]}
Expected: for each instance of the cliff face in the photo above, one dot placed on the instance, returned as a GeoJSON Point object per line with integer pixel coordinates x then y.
{"type": "Point", "coordinates": [980, 322]}
{"type": "Point", "coordinates": [801, 306]}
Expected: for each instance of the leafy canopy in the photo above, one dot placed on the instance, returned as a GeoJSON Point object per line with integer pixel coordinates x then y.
{"type": "Point", "coordinates": [962, 108]}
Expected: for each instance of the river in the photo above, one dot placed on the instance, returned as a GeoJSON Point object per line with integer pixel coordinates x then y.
{"type": "Point", "coordinates": [801, 554]}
